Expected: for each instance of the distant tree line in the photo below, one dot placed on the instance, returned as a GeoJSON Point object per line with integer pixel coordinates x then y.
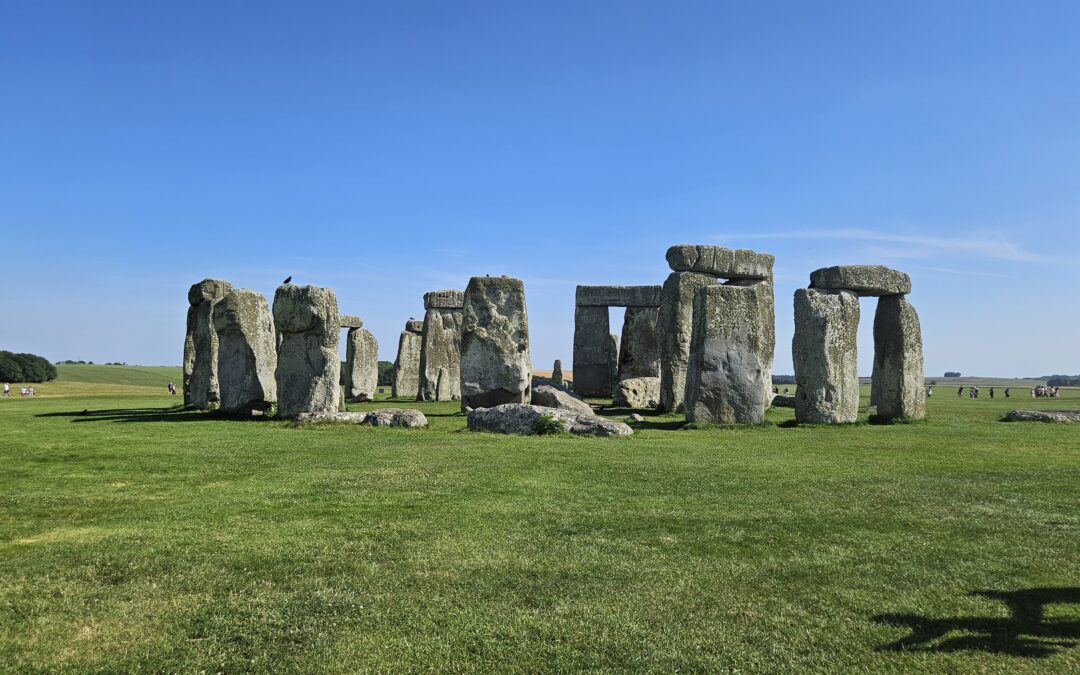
{"type": "Point", "coordinates": [25, 368]}
{"type": "Point", "coordinates": [952, 373]}
{"type": "Point", "coordinates": [69, 362]}
{"type": "Point", "coordinates": [386, 374]}
{"type": "Point", "coordinates": [783, 379]}
{"type": "Point", "coordinates": [1063, 381]}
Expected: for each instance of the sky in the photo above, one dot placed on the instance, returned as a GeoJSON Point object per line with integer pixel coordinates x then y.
{"type": "Point", "coordinates": [392, 148]}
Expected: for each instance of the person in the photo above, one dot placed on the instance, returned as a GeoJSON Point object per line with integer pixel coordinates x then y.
{"type": "Point", "coordinates": [7, 390]}
{"type": "Point", "coordinates": [172, 389]}
{"type": "Point", "coordinates": [31, 391]}
{"type": "Point", "coordinates": [785, 391]}
{"type": "Point", "coordinates": [929, 392]}
{"type": "Point", "coordinates": [960, 392]}
{"type": "Point", "coordinates": [775, 390]}
{"type": "Point", "coordinates": [1006, 392]}
{"type": "Point", "coordinates": [22, 391]}
{"type": "Point", "coordinates": [991, 392]}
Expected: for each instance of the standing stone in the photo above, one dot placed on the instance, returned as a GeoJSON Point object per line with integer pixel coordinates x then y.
{"type": "Point", "coordinates": [201, 388]}
{"type": "Point", "coordinates": [639, 352]}
{"type": "Point", "coordinates": [898, 360]}
{"type": "Point", "coordinates": [440, 345]}
{"type": "Point", "coordinates": [446, 386]}
{"type": "Point", "coordinates": [556, 374]}
{"type": "Point", "coordinates": [361, 365]}
{"type": "Point", "coordinates": [309, 368]}
{"type": "Point", "coordinates": [613, 363]}
{"type": "Point", "coordinates": [674, 328]}
{"type": "Point", "coordinates": [495, 363]}
{"type": "Point", "coordinates": [730, 366]}
{"type": "Point", "coordinates": [592, 357]}
{"type": "Point", "coordinates": [407, 364]}
{"type": "Point", "coordinates": [825, 358]}
{"type": "Point", "coordinates": [247, 352]}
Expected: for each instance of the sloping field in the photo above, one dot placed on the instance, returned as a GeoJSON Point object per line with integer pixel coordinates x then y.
{"type": "Point", "coordinates": [101, 380]}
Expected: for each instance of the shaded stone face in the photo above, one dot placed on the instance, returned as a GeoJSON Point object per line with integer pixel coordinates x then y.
{"type": "Point", "coordinates": [247, 352]}
{"type": "Point", "coordinates": [591, 351]}
{"type": "Point", "coordinates": [719, 261]}
{"type": "Point", "coordinates": [825, 356]}
{"type": "Point", "coordinates": [201, 388]}
{"type": "Point", "coordinates": [674, 328]}
{"type": "Point", "coordinates": [308, 370]}
{"type": "Point", "coordinates": [639, 350]}
{"type": "Point", "coordinates": [898, 360]}
{"type": "Point", "coordinates": [495, 363]}
{"type": "Point", "coordinates": [407, 363]}
{"type": "Point", "coordinates": [618, 296]}
{"type": "Point", "coordinates": [361, 365]}
{"type": "Point", "coordinates": [556, 374]}
{"type": "Point", "coordinates": [440, 350]}
{"type": "Point", "coordinates": [865, 280]}
{"type": "Point", "coordinates": [613, 363]}
{"type": "Point", "coordinates": [730, 365]}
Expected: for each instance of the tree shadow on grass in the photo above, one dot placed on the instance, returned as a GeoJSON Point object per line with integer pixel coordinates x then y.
{"type": "Point", "coordinates": [1026, 632]}
{"type": "Point", "coordinates": [172, 414]}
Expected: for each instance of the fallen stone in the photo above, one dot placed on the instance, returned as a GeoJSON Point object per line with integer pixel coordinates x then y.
{"type": "Point", "coordinates": [332, 417]}
{"type": "Point", "coordinates": [308, 365]}
{"type": "Point", "coordinates": [247, 352]}
{"type": "Point", "coordinates": [639, 349]}
{"type": "Point", "coordinates": [1056, 416]}
{"type": "Point", "coordinates": [384, 417]}
{"type": "Point", "coordinates": [550, 397]}
{"type": "Point", "coordinates": [200, 377]}
{"type": "Point", "coordinates": [899, 382]}
{"type": "Point", "coordinates": [674, 328]}
{"type": "Point", "coordinates": [638, 392]}
{"type": "Point", "coordinates": [495, 363]}
{"type": "Point", "coordinates": [783, 401]}
{"type": "Point", "coordinates": [361, 365]}
{"type": "Point", "coordinates": [519, 418]}
{"type": "Point", "coordinates": [618, 296]}
{"type": "Point", "coordinates": [407, 364]}
{"type": "Point", "coordinates": [867, 280]}
{"type": "Point", "coordinates": [824, 354]}
{"type": "Point", "coordinates": [719, 261]}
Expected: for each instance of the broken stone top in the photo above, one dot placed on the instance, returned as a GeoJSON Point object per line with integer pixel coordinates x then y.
{"type": "Point", "coordinates": [302, 309]}
{"type": "Point", "coordinates": [208, 289]}
{"type": "Point", "coordinates": [350, 321]}
{"type": "Point", "coordinates": [720, 262]}
{"type": "Point", "coordinates": [449, 299]}
{"type": "Point", "coordinates": [414, 326]}
{"type": "Point", "coordinates": [870, 280]}
{"type": "Point", "coordinates": [618, 296]}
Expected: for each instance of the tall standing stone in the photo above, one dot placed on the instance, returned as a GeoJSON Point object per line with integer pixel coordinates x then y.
{"type": "Point", "coordinates": [730, 366]}
{"type": "Point", "coordinates": [361, 365]}
{"type": "Point", "coordinates": [201, 388]}
{"type": "Point", "coordinates": [495, 363]}
{"type": "Point", "coordinates": [407, 363]}
{"type": "Point", "coordinates": [675, 326]}
{"type": "Point", "coordinates": [898, 360]}
{"type": "Point", "coordinates": [639, 351]}
{"type": "Point", "coordinates": [613, 363]}
{"type": "Point", "coordinates": [556, 374]}
{"type": "Point", "coordinates": [592, 351]}
{"type": "Point", "coordinates": [825, 356]}
{"type": "Point", "coordinates": [440, 345]}
{"type": "Point", "coordinates": [309, 368]}
{"type": "Point", "coordinates": [247, 352]}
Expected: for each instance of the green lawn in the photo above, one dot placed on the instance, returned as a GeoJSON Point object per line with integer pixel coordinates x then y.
{"type": "Point", "coordinates": [136, 537]}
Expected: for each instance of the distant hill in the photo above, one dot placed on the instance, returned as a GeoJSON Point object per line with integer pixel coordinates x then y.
{"type": "Point", "coordinates": [137, 376]}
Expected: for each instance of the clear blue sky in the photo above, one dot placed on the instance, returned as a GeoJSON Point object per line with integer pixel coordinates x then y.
{"type": "Point", "coordinates": [387, 149]}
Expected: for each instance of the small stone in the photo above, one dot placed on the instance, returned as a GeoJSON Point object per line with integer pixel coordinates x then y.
{"type": "Point", "coordinates": [551, 397]}
{"type": "Point", "coordinates": [636, 418]}
{"type": "Point", "coordinates": [638, 392]}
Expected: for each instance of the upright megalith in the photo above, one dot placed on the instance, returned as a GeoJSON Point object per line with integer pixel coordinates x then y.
{"type": "Point", "coordinates": [440, 345]}
{"type": "Point", "coordinates": [825, 356]}
{"type": "Point", "coordinates": [308, 368]}
{"type": "Point", "coordinates": [613, 362]}
{"type": "Point", "coordinates": [639, 349]}
{"type": "Point", "coordinates": [247, 352]}
{"type": "Point", "coordinates": [495, 363]}
{"type": "Point", "coordinates": [729, 371]}
{"type": "Point", "coordinates": [594, 372]}
{"type": "Point", "coordinates": [898, 360]}
{"type": "Point", "coordinates": [201, 388]}
{"type": "Point", "coordinates": [407, 363]}
{"type": "Point", "coordinates": [557, 374]}
{"type": "Point", "coordinates": [361, 365]}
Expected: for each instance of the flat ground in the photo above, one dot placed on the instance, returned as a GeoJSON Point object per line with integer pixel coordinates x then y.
{"type": "Point", "coordinates": [135, 536]}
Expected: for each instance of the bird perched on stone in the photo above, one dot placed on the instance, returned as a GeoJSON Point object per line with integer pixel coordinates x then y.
{"type": "Point", "coordinates": [287, 280]}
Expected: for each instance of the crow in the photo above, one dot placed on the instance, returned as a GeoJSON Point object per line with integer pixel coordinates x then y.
{"type": "Point", "coordinates": [287, 280]}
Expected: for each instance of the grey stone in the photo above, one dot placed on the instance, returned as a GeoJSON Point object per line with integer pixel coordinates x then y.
{"type": "Point", "coordinates": [866, 280]}
{"type": "Point", "coordinates": [636, 418]}
{"type": "Point", "coordinates": [332, 417]}
{"type": "Point", "coordinates": [446, 387]}
{"type": "Point", "coordinates": [557, 375]}
{"type": "Point", "coordinates": [550, 397]}
{"type": "Point", "coordinates": [384, 417]}
{"type": "Point", "coordinates": [308, 368]}
{"type": "Point", "coordinates": [350, 321]}
{"type": "Point", "coordinates": [361, 365]}
{"type": "Point", "coordinates": [899, 379]}
{"type": "Point", "coordinates": [613, 363]}
{"type": "Point", "coordinates": [618, 296]}
{"type": "Point", "coordinates": [674, 328]}
{"type": "Point", "coordinates": [407, 363]}
{"type": "Point", "coordinates": [730, 366]}
{"type": "Point", "coordinates": [719, 261]}
{"type": "Point", "coordinates": [414, 326]}
{"type": "Point", "coordinates": [825, 358]}
{"type": "Point", "coordinates": [448, 299]}
{"type": "Point", "coordinates": [247, 352]}
{"type": "Point", "coordinates": [783, 401]}
{"type": "Point", "coordinates": [1056, 416]}
{"type": "Point", "coordinates": [495, 363]}
{"type": "Point", "coordinates": [639, 351]}
{"type": "Point", "coordinates": [638, 392]}
{"type": "Point", "coordinates": [519, 418]}
{"type": "Point", "coordinates": [440, 348]}
{"type": "Point", "coordinates": [592, 357]}
{"type": "Point", "coordinates": [201, 388]}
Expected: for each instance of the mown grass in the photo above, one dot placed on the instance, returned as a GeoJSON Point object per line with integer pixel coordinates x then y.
{"type": "Point", "coordinates": [102, 380]}
{"type": "Point", "coordinates": [138, 537]}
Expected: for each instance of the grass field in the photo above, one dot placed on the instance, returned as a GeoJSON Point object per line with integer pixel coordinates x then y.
{"type": "Point", "coordinates": [101, 380]}
{"type": "Point", "coordinates": [139, 537]}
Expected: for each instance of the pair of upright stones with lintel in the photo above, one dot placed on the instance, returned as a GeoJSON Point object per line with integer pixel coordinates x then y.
{"type": "Point", "coordinates": [717, 328]}
{"type": "Point", "coordinates": [603, 362]}
{"type": "Point", "coordinates": [824, 346]}
{"type": "Point", "coordinates": [428, 363]}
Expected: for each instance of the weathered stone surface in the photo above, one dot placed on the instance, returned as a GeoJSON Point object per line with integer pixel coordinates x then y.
{"type": "Point", "coordinates": [384, 417]}
{"type": "Point", "coordinates": [447, 387]}
{"type": "Point", "coordinates": [308, 369]}
{"type": "Point", "coordinates": [556, 374]}
{"type": "Point", "coordinates": [351, 321]}
{"type": "Point", "coordinates": [730, 367]}
{"type": "Point", "coordinates": [868, 280]}
{"type": "Point", "coordinates": [332, 417]}
{"type": "Point", "coordinates": [783, 401]}
{"type": "Point", "coordinates": [898, 360]}
{"type": "Point", "coordinates": [201, 388]}
{"type": "Point", "coordinates": [247, 352]}
{"type": "Point", "coordinates": [639, 351]}
{"type": "Point", "coordinates": [495, 363]}
{"type": "Point", "coordinates": [550, 397]}
{"type": "Point", "coordinates": [361, 365]}
{"type": "Point", "coordinates": [638, 392]}
{"type": "Point", "coordinates": [440, 349]}
{"type": "Point", "coordinates": [674, 328]}
{"type": "Point", "coordinates": [613, 362]}
{"type": "Point", "coordinates": [637, 418]}
{"type": "Point", "coordinates": [592, 365]}
{"type": "Point", "coordinates": [519, 418]}
{"type": "Point", "coordinates": [825, 358]}
{"type": "Point", "coordinates": [1056, 416]}
{"type": "Point", "coordinates": [448, 299]}
{"type": "Point", "coordinates": [407, 363]}
{"type": "Point", "coordinates": [618, 296]}
{"type": "Point", "coordinates": [719, 261]}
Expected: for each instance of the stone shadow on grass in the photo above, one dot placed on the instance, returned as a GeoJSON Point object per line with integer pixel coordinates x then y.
{"type": "Point", "coordinates": [1026, 632]}
{"type": "Point", "coordinates": [174, 414]}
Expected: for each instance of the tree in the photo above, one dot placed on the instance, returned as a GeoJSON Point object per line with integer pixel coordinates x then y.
{"type": "Point", "coordinates": [25, 368]}
{"type": "Point", "coordinates": [952, 373]}
{"type": "Point", "coordinates": [386, 373]}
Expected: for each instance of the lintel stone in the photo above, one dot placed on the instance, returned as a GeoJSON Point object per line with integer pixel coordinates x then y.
{"type": "Point", "coordinates": [618, 296]}
{"type": "Point", "coordinates": [719, 261]}
{"type": "Point", "coordinates": [863, 280]}
{"type": "Point", "coordinates": [448, 299]}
